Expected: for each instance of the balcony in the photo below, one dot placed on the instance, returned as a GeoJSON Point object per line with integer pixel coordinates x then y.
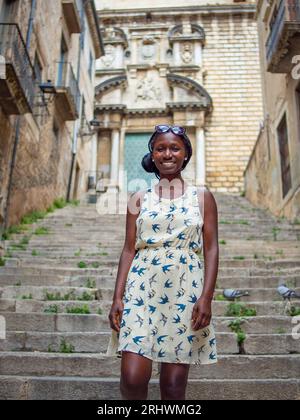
{"type": "Point", "coordinates": [284, 39]}
{"type": "Point", "coordinates": [67, 92]}
{"type": "Point", "coordinates": [17, 88]}
{"type": "Point", "coordinates": [71, 15]}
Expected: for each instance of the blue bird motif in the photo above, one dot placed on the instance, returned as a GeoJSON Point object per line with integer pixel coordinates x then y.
{"type": "Point", "coordinates": [182, 259]}
{"type": "Point", "coordinates": [141, 352]}
{"type": "Point", "coordinates": [212, 342]}
{"type": "Point", "coordinates": [167, 244]}
{"type": "Point", "coordinates": [127, 298]}
{"type": "Point", "coordinates": [151, 280]}
{"type": "Point", "coordinates": [139, 302]}
{"type": "Point", "coordinates": [136, 256]}
{"type": "Point", "coordinates": [201, 350]}
{"type": "Point", "coordinates": [169, 229]}
{"type": "Point", "coordinates": [191, 267]}
{"type": "Point", "coordinates": [176, 319]}
{"type": "Point", "coordinates": [181, 330]}
{"type": "Point", "coordinates": [151, 294]}
{"type": "Point", "coordinates": [170, 217]}
{"type": "Point", "coordinates": [127, 332]}
{"type": "Point", "coordinates": [161, 339]}
{"type": "Point", "coordinates": [136, 269]}
{"type": "Point", "coordinates": [193, 298]}
{"type": "Point", "coordinates": [168, 284]}
{"type": "Point", "coordinates": [130, 285]}
{"type": "Point", "coordinates": [155, 261]}
{"type": "Point", "coordinates": [212, 356]}
{"type": "Point", "coordinates": [126, 311]}
{"type": "Point", "coordinates": [137, 339]}
{"type": "Point", "coordinates": [166, 267]}
{"type": "Point", "coordinates": [172, 208]}
{"type": "Point", "coordinates": [161, 353]}
{"type": "Point", "coordinates": [178, 348]}
{"type": "Point", "coordinates": [187, 222]}
{"type": "Point", "coordinates": [193, 245]}
{"type": "Point", "coordinates": [182, 279]}
{"type": "Point", "coordinates": [153, 214]}
{"type": "Point", "coordinates": [190, 353]}
{"type": "Point", "coordinates": [145, 259]}
{"type": "Point", "coordinates": [170, 255]}
{"type": "Point", "coordinates": [184, 210]}
{"type": "Point", "coordinates": [123, 323]}
{"type": "Point", "coordinates": [205, 333]}
{"type": "Point", "coordinates": [180, 293]}
{"type": "Point", "coordinates": [142, 286]}
{"type": "Point", "coordinates": [181, 236]}
{"type": "Point", "coordinates": [191, 338]}
{"type": "Point", "coordinates": [200, 264]}
{"type": "Point", "coordinates": [164, 299]}
{"type": "Point", "coordinates": [194, 283]}
{"type": "Point", "coordinates": [152, 309]}
{"type": "Point", "coordinates": [150, 321]}
{"type": "Point", "coordinates": [154, 331]}
{"type": "Point", "coordinates": [156, 227]}
{"type": "Point", "coordinates": [164, 319]}
{"type": "Point", "coordinates": [193, 257]}
{"type": "Point", "coordinates": [150, 241]}
{"type": "Point", "coordinates": [139, 319]}
{"type": "Point", "coordinates": [181, 306]}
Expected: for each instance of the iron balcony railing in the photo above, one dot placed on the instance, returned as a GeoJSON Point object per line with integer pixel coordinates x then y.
{"type": "Point", "coordinates": [14, 51]}
{"type": "Point", "coordinates": [288, 11]}
{"type": "Point", "coordinates": [66, 80]}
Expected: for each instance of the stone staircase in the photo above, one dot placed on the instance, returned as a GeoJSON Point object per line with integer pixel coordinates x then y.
{"type": "Point", "coordinates": [52, 353]}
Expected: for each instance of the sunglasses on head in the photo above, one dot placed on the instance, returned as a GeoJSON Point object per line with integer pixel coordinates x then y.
{"type": "Point", "coordinates": [165, 128]}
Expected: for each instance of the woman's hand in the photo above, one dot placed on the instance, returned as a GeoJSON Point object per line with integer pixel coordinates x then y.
{"type": "Point", "coordinates": [201, 314]}
{"type": "Point", "coordinates": [115, 314]}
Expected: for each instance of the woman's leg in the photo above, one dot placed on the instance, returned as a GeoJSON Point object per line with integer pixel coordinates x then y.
{"type": "Point", "coordinates": [173, 380]}
{"type": "Point", "coordinates": [135, 375]}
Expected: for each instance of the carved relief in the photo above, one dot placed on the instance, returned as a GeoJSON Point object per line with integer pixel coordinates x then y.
{"type": "Point", "coordinates": [110, 55]}
{"type": "Point", "coordinates": [148, 47]}
{"type": "Point", "coordinates": [147, 90]}
{"type": "Point", "coordinates": [186, 52]}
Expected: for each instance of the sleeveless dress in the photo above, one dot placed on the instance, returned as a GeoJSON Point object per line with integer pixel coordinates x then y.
{"type": "Point", "coordinates": [164, 281]}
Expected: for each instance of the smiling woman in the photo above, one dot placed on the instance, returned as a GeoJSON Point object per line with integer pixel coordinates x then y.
{"type": "Point", "coordinates": [161, 309]}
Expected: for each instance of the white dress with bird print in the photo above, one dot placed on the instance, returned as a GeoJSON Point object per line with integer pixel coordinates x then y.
{"type": "Point", "coordinates": [164, 281]}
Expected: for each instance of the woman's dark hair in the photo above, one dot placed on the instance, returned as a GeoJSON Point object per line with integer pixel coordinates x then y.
{"type": "Point", "coordinates": [150, 166]}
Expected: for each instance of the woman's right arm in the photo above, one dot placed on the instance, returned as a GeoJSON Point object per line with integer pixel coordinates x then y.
{"type": "Point", "coordinates": [125, 261]}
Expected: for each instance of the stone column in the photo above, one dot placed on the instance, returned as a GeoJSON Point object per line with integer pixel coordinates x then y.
{"type": "Point", "coordinates": [114, 160]}
{"type": "Point", "coordinates": [200, 156]}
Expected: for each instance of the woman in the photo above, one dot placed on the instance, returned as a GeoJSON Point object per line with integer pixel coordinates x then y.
{"type": "Point", "coordinates": [161, 308]}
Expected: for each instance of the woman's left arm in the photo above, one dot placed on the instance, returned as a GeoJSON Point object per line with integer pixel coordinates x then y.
{"type": "Point", "coordinates": [201, 315]}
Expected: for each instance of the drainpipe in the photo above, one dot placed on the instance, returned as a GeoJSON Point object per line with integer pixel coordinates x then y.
{"type": "Point", "coordinates": [18, 122]}
{"type": "Point", "coordinates": [76, 123]}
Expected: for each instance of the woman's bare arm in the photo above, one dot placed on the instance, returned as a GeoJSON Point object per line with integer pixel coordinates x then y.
{"type": "Point", "coordinates": [125, 260]}
{"type": "Point", "coordinates": [202, 310]}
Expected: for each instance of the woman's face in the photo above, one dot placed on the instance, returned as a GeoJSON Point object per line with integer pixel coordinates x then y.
{"type": "Point", "coordinates": [168, 153]}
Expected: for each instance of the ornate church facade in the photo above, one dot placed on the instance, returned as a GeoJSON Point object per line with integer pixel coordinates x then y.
{"type": "Point", "coordinates": [195, 65]}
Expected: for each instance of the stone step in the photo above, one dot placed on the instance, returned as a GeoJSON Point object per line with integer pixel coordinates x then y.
{"type": "Point", "coordinates": [102, 281]}
{"type": "Point", "coordinates": [95, 388]}
{"type": "Point", "coordinates": [44, 322]}
{"type": "Point", "coordinates": [219, 308]}
{"type": "Point", "coordinates": [89, 364]}
{"type": "Point", "coordinates": [95, 342]}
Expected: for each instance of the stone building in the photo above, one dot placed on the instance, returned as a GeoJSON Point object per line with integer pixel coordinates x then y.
{"type": "Point", "coordinates": [48, 52]}
{"type": "Point", "coordinates": [272, 177]}
{"type": "Point", "coordinates": [192, 63]}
